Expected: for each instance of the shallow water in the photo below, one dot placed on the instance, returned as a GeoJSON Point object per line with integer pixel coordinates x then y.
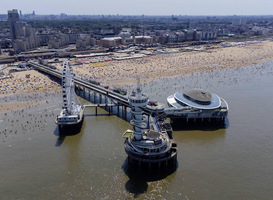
{"type": "Point", "coordinates": [228, 163]}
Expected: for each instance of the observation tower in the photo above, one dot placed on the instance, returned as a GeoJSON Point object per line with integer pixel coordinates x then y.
{"type": "Point", "coordinates": [147, 143]}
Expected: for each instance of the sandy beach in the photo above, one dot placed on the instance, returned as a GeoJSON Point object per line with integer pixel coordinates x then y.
{"type": "Point", "coordinates": [24, 82]}
{"type": "Point", "coordinates": [166, 65]}
{"type": "Point", "coordinates": [124, 72]}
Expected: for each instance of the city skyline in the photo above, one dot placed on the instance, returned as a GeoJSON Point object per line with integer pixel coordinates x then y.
{"type": "Point", "coordinates": [149, 7]}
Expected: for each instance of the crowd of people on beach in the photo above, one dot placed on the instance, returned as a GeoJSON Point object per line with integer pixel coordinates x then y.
{"type": "Point", "coordinates": [165, 65]}
{"type": "Point", "coordinates": [26, 81]}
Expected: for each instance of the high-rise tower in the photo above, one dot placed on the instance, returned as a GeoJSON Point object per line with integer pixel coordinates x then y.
{"type": "Point", "coordinates": [13, 17]}
{"type": "Point", "coordinates": [23, 36]}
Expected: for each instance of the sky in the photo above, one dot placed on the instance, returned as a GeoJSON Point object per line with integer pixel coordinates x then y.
{"type": "Point", "coordinates": [139, 7]}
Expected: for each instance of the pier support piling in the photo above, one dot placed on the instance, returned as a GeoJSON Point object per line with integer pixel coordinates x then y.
{"type": "Point", "coordinates": [125, 112]}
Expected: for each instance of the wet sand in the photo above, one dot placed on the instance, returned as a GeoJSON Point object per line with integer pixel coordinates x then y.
{"type": "Point", "coordinates": [19, 83]}
{"type": "Point", "coordinates": [11, 106]}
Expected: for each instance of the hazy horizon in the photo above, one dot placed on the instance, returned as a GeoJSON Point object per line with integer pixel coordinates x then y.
{"type": "Point", "coordinates": [148, 7]}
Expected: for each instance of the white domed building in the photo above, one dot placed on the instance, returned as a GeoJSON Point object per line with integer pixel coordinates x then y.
{"type": "Point", "coordinates": [197, 103]}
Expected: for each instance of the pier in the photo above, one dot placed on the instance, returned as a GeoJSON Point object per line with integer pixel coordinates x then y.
{"type": "Point", "coordinates": [96, 106]}
{"type": "Point", "coordinates": [151, 142]}
{"type": "Point", "coordinates": [106, 98]}
{"type": "Point", "coordinates": [119, 100]}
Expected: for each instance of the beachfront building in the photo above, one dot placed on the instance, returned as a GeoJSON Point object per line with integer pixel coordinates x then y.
{"type": "Point", "coordinates": [84, 41]}
{"type": "Point", "coordinates": [110, 42]}
{"type": "Point", "coordinates": [116, 41]}
{"type": "Point", "coordinates": [143, 39]}
{"type": "Point", "coordinates": [58, 40]}
{"type": "Point", "coordinates": [44, 38]}
{"type": "Point", "coordinates": [125, 33]}
{"type": "Point", "coordinates": [180, 36]}
{"type": "Point", "coordinates": [209, 35]}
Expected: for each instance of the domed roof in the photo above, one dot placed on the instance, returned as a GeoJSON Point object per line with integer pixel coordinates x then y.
{"type": "Point", "coordinates": [196, 98]}
{"type": "Point", "coordinates": [199, 95]}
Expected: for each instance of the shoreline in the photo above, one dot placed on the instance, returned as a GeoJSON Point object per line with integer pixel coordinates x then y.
{"type": "Point", "coordinates": [133, 81]}
{"type": "Point", "coordinates": [162, 65]}
{"type": "Point", "coordinates": [123, 73]}
{"type": "Point", "coordinates": [18, 105]}
{"type": "Point", "coordinates": [25, 89]}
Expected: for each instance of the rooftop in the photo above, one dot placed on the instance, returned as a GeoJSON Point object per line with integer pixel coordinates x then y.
{"type": "Point", "coordinates": [199, 99]}
{"type": "Point", "coordinates": [199, 95]}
